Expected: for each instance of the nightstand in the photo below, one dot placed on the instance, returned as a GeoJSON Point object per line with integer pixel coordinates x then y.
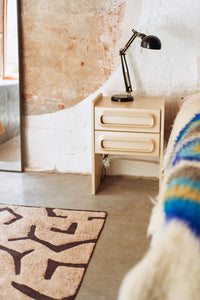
{"type": "Point", "coordinates": [126, 128]}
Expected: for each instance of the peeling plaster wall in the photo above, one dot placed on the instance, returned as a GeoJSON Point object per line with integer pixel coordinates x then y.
{"type": "Point", "coordinates": [61, 141]}
{"type": "Point", "coordinates": [70, 49]}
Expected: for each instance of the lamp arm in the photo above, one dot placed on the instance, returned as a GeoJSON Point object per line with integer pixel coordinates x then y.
{"type": "Point", "coordinates": [125, 72]}
{"type": "Point", "coordinates": [135, 33]}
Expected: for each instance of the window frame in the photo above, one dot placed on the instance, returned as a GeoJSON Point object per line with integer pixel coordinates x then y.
{"type": "Point", "coordinates": [4, 76]}
{"type": "Point", "coordinates": [4, 8]}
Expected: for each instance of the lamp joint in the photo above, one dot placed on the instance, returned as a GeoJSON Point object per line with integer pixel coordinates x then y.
{"type": "Point", "coordinates": [122, 52]}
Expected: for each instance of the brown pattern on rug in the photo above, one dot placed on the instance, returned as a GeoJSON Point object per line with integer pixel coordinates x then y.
{"type": "Point", "coordinates": [44, 252]}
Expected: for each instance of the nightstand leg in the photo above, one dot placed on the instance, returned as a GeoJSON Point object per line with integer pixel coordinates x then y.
{"type": "Point", "coordinates": [96, 171]}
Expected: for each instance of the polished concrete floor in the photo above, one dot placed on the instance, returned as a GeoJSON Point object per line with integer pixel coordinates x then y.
{"type": "Point", "coordinates": [123, 240]}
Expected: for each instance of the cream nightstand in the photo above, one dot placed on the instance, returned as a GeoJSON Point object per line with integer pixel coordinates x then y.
{"type": "Point", "coordinates": [126, 128]}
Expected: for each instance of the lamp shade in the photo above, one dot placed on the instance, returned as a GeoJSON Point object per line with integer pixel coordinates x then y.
{"type": "Point", "coordinates": [151, 42]}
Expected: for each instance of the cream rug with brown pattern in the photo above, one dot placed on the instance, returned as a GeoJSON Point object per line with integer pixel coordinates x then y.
{"type": "Point", "coordinates": [44, 252]}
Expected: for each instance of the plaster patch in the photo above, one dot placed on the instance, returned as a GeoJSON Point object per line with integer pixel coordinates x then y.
{"type": "Point", "coordinates": [70, 48]}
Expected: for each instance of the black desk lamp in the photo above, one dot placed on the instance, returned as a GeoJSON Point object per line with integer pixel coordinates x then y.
{"type": "Point", "coordinates": [149, 42]}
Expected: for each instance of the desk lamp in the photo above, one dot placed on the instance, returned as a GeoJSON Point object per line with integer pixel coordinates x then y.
{"type": "Point", "coordinates": [149, 42]}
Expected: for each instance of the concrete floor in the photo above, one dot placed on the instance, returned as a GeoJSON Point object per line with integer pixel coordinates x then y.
{"type": "Point", "coordinates": [123, 240]}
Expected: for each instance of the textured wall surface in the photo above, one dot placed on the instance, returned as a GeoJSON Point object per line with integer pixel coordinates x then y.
{"type": "Point", "coordinates": [69, 50]}
{"type": "Point", "coordinates": [171, 71]}
{"type": "Point", "coordinates": [61, 141]}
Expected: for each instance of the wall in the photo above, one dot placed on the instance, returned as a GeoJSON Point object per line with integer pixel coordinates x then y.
{"type": "Point", "coordinates": [56, 131]}
{"type": "Point", "coordinates": [71, 46]}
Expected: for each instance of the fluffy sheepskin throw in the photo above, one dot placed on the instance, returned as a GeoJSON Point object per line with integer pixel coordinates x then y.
{"type": "Point", "coordinates": [171, 268]}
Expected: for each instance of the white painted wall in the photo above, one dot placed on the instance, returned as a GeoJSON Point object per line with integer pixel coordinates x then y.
{"type": "Point", "coordinates": [61, 141]}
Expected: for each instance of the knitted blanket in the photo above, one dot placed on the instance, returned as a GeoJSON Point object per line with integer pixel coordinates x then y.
{"type": "Point", "coordinates": [171, 267]}
{"type": "Point", "coordinates": [180, 193]}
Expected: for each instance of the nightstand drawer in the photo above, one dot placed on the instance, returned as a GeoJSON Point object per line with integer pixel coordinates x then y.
{"type": "Point", "coordinates": [137, 120]}
{"type": "Point", "coordinates": [127, 143]}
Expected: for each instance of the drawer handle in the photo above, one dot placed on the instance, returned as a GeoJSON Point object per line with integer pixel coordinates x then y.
{"type": "Point", "coordinates": [127, 145]}
{"type": "Point", "coordinates": [138, 120]}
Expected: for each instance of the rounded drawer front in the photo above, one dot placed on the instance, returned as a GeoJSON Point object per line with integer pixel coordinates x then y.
{"type": "Point", "coordinates": [127, 143]}
{"type": "Point", "coordinates": [127, 120]}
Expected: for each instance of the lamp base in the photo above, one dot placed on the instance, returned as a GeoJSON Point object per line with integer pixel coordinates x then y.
{"type": "Point", "coordinates": [122, 98]}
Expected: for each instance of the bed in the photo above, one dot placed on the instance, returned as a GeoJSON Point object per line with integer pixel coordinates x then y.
{"type": "Point", "coordinates": [171, 267]}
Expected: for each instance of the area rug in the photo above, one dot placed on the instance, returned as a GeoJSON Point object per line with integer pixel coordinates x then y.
{"type": "Point", "coordinates": [44, 252]}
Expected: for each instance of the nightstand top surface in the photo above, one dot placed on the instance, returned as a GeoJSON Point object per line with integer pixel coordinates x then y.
{"type": "Point", "coordinates": [138, 102]}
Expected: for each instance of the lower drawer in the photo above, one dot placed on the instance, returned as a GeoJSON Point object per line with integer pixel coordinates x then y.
{"type": "Point", "coordinates": [127, 143]}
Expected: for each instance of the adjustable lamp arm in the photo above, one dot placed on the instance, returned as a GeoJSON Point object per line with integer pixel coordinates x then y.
{"type": "Point", "coordinates": [125, 72]}
{"type": "Point", "coordinates": [135, 34]}
{"type": "Point", "coordinates": [122, 54]}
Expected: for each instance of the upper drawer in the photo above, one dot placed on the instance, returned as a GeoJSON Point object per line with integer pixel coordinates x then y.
{"type": "Point", "coordinates": [141, 120]}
